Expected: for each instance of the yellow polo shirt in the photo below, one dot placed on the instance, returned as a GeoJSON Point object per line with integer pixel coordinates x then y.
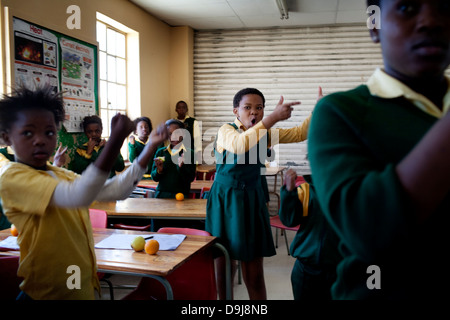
{"type": "Point", "coordinates": [52, 239]}
{"type": "Point", "coordinates": [382, 85]}
{"type": "Point", "coordinates": [238, 142]}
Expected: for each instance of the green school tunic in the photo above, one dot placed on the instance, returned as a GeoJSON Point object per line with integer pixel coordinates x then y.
{"type": "Point", "coordinates": [173, 179]}
{"type": "Point", "coordinates": [236, 210]}
{"type": "Point", "coordinates": [134, 150]}
{"type": "Point", "coordinates": [355, 142]}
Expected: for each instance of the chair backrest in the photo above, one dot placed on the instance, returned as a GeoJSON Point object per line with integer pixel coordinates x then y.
{"type": "Point", "coordinates": [9, 281]}
{"type": "Point", "coordinates": [205, 192]}
{"type": "Point", "coordinates": [99, 218]}
{"type": "Point", "coordinates": [194, 280]}
{"type": "Point", "coordinates": [186, 231]}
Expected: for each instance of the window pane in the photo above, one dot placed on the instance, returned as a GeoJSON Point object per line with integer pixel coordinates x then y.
{"type": "Point", "coordinates": [101, 36]}
{"type": "Point", "coordinates": [103, 95]}
{"type": "Point", "coordinates": [111, 68]}
{"type": "Point", "coordinates": [120, 45]}
{"type": "Point", "coordinates": [112, 96]}
{"type": "Point", "coordinates": [121, 97]}
{"type": "Point", "coordinates": [121, 71]}
{"type": "Point", "coordinates": [103, 69]}
{"type": "Point", "coordinates": [111, 41]}
{"type": "Point", "coordinates": [104, 116]}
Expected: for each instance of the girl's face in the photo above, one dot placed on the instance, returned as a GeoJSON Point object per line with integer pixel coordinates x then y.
{"type": "Point", "coordinates": [174, 137]}
{"type": "Point", "coordinates": [250, 110]}
{"type": "Point", "coordinates": [94, 131]}
{"type": "Point", "coordinates": [142, 130]}
{"type": "Point", "coordinates": [414, 37]}
{"type": "Point", "coordinates": [33, 137]}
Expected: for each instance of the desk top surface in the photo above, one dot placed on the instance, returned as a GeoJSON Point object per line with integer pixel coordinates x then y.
{"type": "Point", "coordinates": [196, 185]}
{"type": "Point", "coordinates": [139, 263]}
{"type": "Point", "coordinates": [154, 207]}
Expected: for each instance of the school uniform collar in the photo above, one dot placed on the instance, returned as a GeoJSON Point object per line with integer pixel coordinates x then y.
{"type": "Point", "coordinates": [140, 141]}
{"type": "Point", "coordinates": [96, 148]}
{"type": "Point", "coordinates": [185, 118]}
{"type": "Point", "coordinates": [173, 152]}
{"type": "Point", "coordinates": [385, 86]}
{"type": "Point", "coordinates": [239, 124]}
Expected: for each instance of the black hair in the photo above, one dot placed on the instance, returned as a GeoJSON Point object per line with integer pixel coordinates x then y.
{"type": "Point", "coordinates": [145, 119]}
{"type": "Point", "coordinates": [175, 121]}
{"type": "Point", "coordinates": [92, 119]}
{"type": "Point", "coordinates": [238, 96]}
{"type": "Point", "coordinates": [181, 101]}
{"type": "Point", "coordinates": [24, 99]}
{"type": "Point", "coordinates": [373, 3]}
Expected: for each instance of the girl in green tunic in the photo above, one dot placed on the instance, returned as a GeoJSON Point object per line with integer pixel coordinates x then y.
{"type": "Point", "coordinates": [236, 208]}
{"type": "Point", "coordinates": [142, 129]}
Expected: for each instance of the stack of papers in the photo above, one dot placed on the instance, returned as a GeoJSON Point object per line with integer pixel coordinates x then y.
{"type": "Point", "coordinates": [123, 241]}
{"type": "Point", "coordinates": [9, 243]}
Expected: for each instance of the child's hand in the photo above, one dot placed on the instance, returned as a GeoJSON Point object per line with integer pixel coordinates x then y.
{"type": "Point", "coordinates": [121, 125]}
{"type": "Point", "coordinates": [131, 139]}
{"type": "Point", "coordinates": [102, 143]}
{"type": "Point", "coordinates": [282, 112]}
{"type": "Point", "coordinates": [320, 94]}
{"type": "Point", "coordinates": [159, 164]}
{"type": "Point", "coordinates": [181, 160]}
{"type": "Point", "coordinates": [90, 145]}
{"type": "Point", "coordinates": [289, 179]}
{"type": "Point", "coordinates": [59, 158]}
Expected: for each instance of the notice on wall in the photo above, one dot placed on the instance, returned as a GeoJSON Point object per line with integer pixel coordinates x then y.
{"type": "Point", "coordinates": [35, 56]}
{"type": "Point", "coordinates": [45, 57]}
{"type": "Point", "coordinates": [77, 82]}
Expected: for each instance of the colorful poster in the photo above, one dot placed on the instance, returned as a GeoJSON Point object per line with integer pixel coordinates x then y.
{"type": "Point", "coordinates": [77, 82]}
{"type": "Point", "coordinates": [45, 57]}
{"type": "Point", "coordinates": [35, 56]}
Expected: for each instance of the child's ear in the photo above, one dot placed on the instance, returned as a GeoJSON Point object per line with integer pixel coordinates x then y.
{"type": "Point", "coordinates": [235, 111]}
{"type": "Point", "coordinates": [374, 35]}
{"type": "Point", "coordinates": [5, 138]}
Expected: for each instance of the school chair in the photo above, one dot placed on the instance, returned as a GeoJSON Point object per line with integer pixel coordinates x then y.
{"type": "Point", "coordinates": [99, 219]}
{"type": "Point", "coordinates": [9, 281]}
{"type": "Point", "coordinates": [194, 280]}
{"type": "Point", "coordinates": [204, 193]}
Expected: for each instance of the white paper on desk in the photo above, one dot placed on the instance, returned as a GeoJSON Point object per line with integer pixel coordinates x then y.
{"type": "Point", "coordinates": [10, 243]}
{"type": "Point", "coordinates": [123, 241]}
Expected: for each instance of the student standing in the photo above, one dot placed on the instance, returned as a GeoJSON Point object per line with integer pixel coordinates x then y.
{"type": "Point", "coordinates": [236, 210]}
{"type": "Point", "coordinates": [380, 160]}
{"type": "Point", "coordinates": [192, 126]}
{"type": "Point", "coordinates": [137, 142]}
{"type": "Point", "coordinates": [51, 212]}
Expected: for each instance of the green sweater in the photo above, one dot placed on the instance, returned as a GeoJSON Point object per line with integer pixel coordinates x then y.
{"type": "Point", "coordinates": [355, 142]}
{"type": "Point", "coordinates": [315, 243]}
{"type": "Point", "coordinates": [134, 150]}
{"type": "Point", "coordinates": [173, 179]}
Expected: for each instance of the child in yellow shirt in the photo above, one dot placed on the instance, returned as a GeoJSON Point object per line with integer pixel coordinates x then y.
{"type": "Point", "coordinates": [49, 205]}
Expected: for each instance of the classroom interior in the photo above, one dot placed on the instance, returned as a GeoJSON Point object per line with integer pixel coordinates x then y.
{"type": "Point", "coordinates": [203, 60]}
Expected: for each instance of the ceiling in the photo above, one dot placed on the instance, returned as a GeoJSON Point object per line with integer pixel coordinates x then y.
{"type": "Point", "coordinates": [250, 14]}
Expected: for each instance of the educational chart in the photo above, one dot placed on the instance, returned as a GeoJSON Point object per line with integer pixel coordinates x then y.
{"type": "Point", "coordinates": [45, 57]}
{"type": "Point", "coordinates": [77, 82]}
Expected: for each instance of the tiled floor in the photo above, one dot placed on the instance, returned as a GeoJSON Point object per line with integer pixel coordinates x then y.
{"type": "Point", "coordinates": [277, 271]}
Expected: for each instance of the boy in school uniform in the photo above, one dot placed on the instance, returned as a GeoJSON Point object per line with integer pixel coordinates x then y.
{"type": "Point", "coordinates": [88, 152]}
{"type": "Point", "coordinates": [51, 212]}
{"type": "Point", "coordinates": [192, 126]}
{"type": "Point", "coordinates": [173, 166]}
{"type": "Point", "coordinates": [380, 160]}
{"type": "Point", "coordinates": [315, 245]}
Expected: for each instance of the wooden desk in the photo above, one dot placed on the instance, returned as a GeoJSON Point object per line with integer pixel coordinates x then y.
{"type": "Point", "coordinates": [196, 185]}
{"type": "Point", "coordinates": [188, 209]}
{"type": "Point", "coordinates": [141, 264]}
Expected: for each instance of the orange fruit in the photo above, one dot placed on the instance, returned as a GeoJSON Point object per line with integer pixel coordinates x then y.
{"type": "Point", "coordinates": [151, 246]}
{"type": "Point", "coordinates": [14, 231]}
{"type": "Point", "coordinates": [179, 196]}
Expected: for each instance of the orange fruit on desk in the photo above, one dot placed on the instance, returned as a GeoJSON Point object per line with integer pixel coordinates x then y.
{"type": "Point", "coordinates": [151, 246]}
{"type": "Point", "coordinates": [179, 196]}
{"type": "Point", "coordinates": [14, 231]}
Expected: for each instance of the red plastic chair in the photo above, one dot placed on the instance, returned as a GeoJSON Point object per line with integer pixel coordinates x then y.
{"type": "Point", "coordinates": [204, 192]}
{"type": "Point", "coordinates": [194, 280]}
{"type": "Point", "coordinates": [9, 281]}
{"type": "Point", "coordinates": [276, 223]}
{"type": "Point", "coordinates": [99, 219]}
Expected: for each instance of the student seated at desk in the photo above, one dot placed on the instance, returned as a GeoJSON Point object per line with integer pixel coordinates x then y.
{"type": "Point", "coordinates": [173, 166]}
{"type": "Point", "coordinates": [91, 150]}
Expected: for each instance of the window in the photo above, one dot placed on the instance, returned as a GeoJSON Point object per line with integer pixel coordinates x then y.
{"type": "Point", "coordinates": [113, 73]}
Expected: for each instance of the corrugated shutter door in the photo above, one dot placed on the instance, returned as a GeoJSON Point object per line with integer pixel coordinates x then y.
{"type": "Point", "coordinates": [292, 62]}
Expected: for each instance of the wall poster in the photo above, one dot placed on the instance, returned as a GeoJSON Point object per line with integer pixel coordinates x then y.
{"type": "Point", "coordinates": [46, 57]}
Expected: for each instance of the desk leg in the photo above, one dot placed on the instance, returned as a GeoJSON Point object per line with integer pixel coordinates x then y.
{"type": "Point", "coordinates": [228, 285]}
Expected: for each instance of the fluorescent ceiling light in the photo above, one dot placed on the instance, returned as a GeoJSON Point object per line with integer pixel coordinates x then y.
{"type": "Point", "coordinates": [282, 7]}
